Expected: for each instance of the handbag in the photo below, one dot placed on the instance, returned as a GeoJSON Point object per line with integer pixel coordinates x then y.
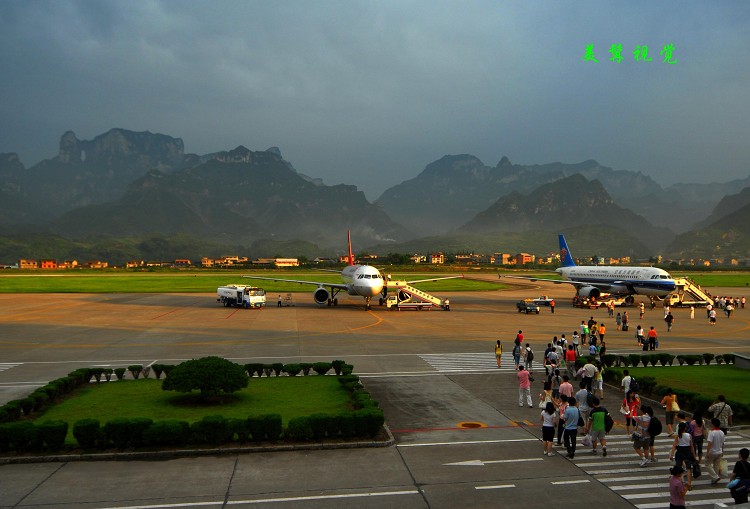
{"type": "Point", "coordinates": [675, 406]}
{"type": "Point", "coordinates": [586, 441]}
{"type": "Point", "coordinates": [696, 470]}
{"type": "Point", "coordinates": [624, 410]}
{"type": "Point", "coordinates": [733, 483]}
{"type": "Point", "coordinates": [580, 423]}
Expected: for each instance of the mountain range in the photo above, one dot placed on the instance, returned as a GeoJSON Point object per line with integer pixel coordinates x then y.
{"type": "Point", "coordinates": [131, 194]}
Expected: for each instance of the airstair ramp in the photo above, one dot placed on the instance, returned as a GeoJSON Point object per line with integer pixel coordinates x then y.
{"type": "Point", "coordinates": [689, 287]}
{"type": "Point", "coordinates": [403, 286]}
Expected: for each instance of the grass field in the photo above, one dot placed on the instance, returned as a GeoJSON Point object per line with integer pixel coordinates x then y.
{"type": "Point", "coordinates": [709, 381]}
{"type": "Point", "coordinates": [195, 282]}
{"type": "Point", "coordinates": [287, 396]}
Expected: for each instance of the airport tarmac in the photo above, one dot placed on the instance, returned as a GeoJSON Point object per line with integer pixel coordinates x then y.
{"type": "Point", "coordinates": [431, 371]}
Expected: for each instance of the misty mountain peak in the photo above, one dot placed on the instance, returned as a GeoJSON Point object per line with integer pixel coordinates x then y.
{"type": "Point", "coordinates": [504, 161]}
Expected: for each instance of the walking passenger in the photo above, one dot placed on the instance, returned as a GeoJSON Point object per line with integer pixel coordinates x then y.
{"type": "Point", "coordinates": [641, 438]}
{"type": "Point", "coordinates": [549, 421]}
{"type": "Point", "coordinates": [597, 427]}
{"type": "Point", "coordinates": [572, 414]}
{"type": "Point", "coordinates": [498, 353]}
{"type": "Point", "coordinates": [683, 452]}
{"type": "Point", "coordinates": [715, 451]}
{"type": "Point", "coordinates": [697, 425]}
{"type": "Point", "coordinates": [524, 386]}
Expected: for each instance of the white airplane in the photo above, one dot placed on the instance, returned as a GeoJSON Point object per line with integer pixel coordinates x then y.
{"type": "Point", "coordinates": [595, 280]}
{"type": "Point", "coordinates": [362, 280]}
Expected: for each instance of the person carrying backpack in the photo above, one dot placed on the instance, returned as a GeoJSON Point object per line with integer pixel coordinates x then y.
{"type": "Point", "coordinates": [596, 427]}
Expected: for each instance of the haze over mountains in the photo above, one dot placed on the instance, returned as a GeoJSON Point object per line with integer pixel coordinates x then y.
{"type": "Point", "coordinates": [136, 194]}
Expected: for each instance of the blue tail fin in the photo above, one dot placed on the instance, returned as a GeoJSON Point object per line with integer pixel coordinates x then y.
{"type": "Point", "coordinates": [565, 258]}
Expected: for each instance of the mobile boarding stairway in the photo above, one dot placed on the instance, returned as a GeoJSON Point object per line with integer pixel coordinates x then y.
{"type": "Point", "coordinates": [406, 293]}
{"type": "Point", "coordinates": [688, 293]}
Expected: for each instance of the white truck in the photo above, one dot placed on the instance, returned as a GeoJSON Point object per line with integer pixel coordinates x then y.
{"type": "Point", "coordinates": [241, 296]}
{"type": "Point", "coordinates": [392, 302]}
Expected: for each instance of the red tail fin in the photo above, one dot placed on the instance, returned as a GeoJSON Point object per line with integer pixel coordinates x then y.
{"type": "Point", "coordinates": [349, 241]}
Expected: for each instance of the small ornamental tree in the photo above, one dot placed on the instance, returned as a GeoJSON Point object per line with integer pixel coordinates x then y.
{"type": "Point", "coordinates": [212, 376]}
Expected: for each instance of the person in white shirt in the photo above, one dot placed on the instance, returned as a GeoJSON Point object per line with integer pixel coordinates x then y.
{"type": "Point", "coordinates": [715, 451]}
{"type": "Point", "coordinates": [625, 384]}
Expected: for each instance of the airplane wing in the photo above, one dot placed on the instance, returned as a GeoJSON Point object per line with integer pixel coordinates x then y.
{"type": "Point", "coordinates": [577, 284]}
{"type": "Point", "coordinates": [340, 286]}
{"type": "Point", "coordinates": [434, 279]}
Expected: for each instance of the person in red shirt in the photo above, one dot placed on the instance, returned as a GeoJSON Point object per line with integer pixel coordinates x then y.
{"type": "Point", "coordinates": [652, 339]}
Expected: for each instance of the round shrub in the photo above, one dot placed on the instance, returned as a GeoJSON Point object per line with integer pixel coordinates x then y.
{"type": "Point", "coordinates": [318, 425]}
{"type": "Point", "coordinates": [272, 426]}
{"type": "Point", "coordinates": [212, 376]}
{"type": "Point", "coordinates": [23, 436]}
{"type": "Point", "coordinates": [321, 368]}
{"type": "Point", "coordinates": [337, 365]}
{"type": "Point", "coordinates": [306, 367]}
{"type": "Point", "coordinates": [212, 429]}
{"type": "Point", "coordinates": [292, 369]}
{"type": "Point", "coordinates": [170, 432]}
{"type": "Point", "coordinates": [120, 373]}
{"type": "Point", "coordinates": [53, 434]}
{"type": "Point", "coordinates": [299, 429]}
{"type": "Point", "coordinates": [257, 428]}
{"type": "Point", "coordinates": [87, 433]}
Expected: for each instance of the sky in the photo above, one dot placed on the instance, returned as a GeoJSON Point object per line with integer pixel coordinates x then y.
{"type": "Point", "coordinates": [369, 92]}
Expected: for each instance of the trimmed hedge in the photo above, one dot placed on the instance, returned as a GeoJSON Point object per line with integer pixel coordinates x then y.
{"type": "Point", "coordinates": [122, 433]}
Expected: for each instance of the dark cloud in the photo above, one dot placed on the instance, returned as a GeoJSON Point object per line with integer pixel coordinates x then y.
{"type": "Point", "coordinates": [368, 93]}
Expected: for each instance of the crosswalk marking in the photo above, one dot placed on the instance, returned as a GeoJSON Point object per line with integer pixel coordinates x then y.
{"type": "Point", "coordinates": [5, 366]}
{"type": "Point", "coordinates": [468, 362]}
{"type": "Point", "coordinates": [651, 490]}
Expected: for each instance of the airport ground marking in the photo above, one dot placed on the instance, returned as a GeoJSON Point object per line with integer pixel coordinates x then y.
{"type": "Point", "coordinates": [495, 487]}
{"type": "Point", "coordinates": [481, 463]}
{"type": "Point", "coordinates": [270, 500]}
{"type": "Point", "coordinates": [470, 442]}
{"type": "Point", "coordinates": [579, 481]}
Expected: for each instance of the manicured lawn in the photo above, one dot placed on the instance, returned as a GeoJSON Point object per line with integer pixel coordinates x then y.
{"type": "Point", "coordinates": [288, 396]}
{"type": "Point", "coordinates": [194, 282]}
{"type": "Point", "coordinates": [709, 381]}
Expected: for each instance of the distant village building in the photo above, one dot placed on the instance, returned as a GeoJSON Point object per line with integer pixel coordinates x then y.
{"type": "Point", "coordinates": [418, 258]}
{"type": "Point", "coordinates": [183, 263]}
{"type": "Point", "coordinates": [28, 264]}
{"type": "Point", "coordinates": [437, 258]}
{"type": "Point", "coordinates": [524, 258]}
{"type": "Point", "coordinates": [224, 261]}
{"type": "Point", "coordinates": [97, 264]}
{"type": "Point", "coordinates": [68, 264]}
{"type": "Point", "coordinates": [47, 263]}
{"type": "Point", "coordinates": [134, 264]}
{"type": "Point", "coordinates": [504, 258]}
{"type": "Point", "coordinates": [277, 262]}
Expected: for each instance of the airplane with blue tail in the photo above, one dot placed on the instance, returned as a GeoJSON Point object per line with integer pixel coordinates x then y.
{"type": "Point", "coordinates": [593, 281]}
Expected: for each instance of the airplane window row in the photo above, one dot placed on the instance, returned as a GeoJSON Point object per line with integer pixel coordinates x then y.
{"type": "Point", "coordinates": [369, 276]}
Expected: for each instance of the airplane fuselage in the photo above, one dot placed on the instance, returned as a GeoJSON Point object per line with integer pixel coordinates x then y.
{"type": "Point", "coordinates": [621, 280]}
{"type": "Point", "coordinates": [362, 280]}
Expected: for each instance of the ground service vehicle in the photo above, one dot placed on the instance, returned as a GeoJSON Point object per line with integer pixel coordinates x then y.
{"type": "Point", "coordinates": [241, 296]}
{"type": "Point", "coordinates": [527, 306]}
{"type": "Point", "coordinates": [392, 302]}
{"type": "Point", "coordinates": [544, 300]}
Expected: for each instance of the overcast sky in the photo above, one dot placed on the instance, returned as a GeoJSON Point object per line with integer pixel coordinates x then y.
{"type": "Point", "coordinates": [369, 92]}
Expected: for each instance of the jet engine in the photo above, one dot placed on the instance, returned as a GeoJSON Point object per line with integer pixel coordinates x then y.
{"type": "Point", "coordinates": [589, 291]}
{"type": "Point", "coordinates": [321, 295]}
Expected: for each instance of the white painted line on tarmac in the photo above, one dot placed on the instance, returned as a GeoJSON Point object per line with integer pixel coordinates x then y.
{"type": "Point", "coordinates": [470, 442]}
{"type": "Point", "coordinates": [665, 494]}
{"type": "Point", "coordinates": [496, 487]}
{"type": "Point", "coordinates": [634, 478]}
{"type": "Point", "coordinates": [269, 500]}
{"type": "Point", "coordinates": [580, 481]}
{"type": "Point", "coordinates": [689, 503]}
{"type": "Point", "coordinates": [481, 463]}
